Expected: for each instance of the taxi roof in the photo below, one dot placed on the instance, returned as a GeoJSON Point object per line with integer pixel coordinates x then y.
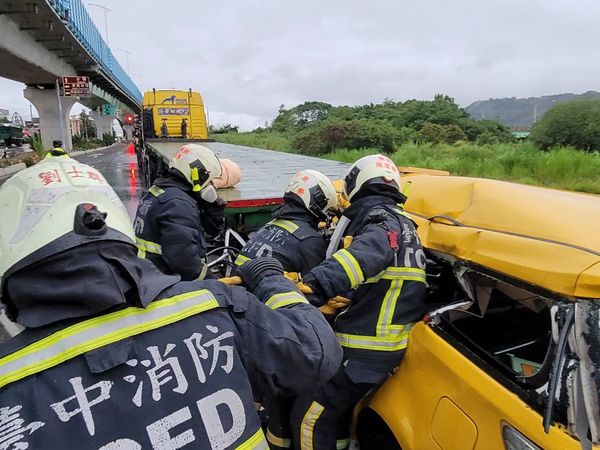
{"type": "Point", "coordinates": [545, 237]}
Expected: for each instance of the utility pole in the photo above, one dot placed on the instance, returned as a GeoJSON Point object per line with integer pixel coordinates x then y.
{"type": "Point", "coordinates": [127, 53]}
{"type": "Point", "coordinates": [534, 112]}
{"type": "Point", "coordinates": [106, 10]}
{"type": "Point", "coordinates": [60, 113]}
{"type": "Point", "coordinates": [140, 77]}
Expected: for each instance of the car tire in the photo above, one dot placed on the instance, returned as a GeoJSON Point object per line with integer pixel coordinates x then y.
{"type": "Point", "coordinates": [374, 434]}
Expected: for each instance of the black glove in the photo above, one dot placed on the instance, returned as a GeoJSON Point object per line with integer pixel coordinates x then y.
{"type": "Point", "coordinates": [255, 270]}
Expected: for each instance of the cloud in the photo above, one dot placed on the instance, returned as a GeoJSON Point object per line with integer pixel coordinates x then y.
{"type": "Point", "coordinates": [247, 57]}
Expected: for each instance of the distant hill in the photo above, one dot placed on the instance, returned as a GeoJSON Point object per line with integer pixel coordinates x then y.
{"type": "Point", "coordinates": [520, 111]}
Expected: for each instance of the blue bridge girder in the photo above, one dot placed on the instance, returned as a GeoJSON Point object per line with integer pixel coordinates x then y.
{"type": "Point", "coordinates": [66, 31]}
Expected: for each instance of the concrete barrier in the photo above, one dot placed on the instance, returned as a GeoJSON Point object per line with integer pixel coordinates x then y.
{"type": "Point", "coordinates": [11, 170]}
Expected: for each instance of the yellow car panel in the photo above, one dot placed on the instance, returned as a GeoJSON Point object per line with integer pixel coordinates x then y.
{"type": "Point", "coordinates": [433, 370]}
{"type": "Point", "coordinates": [542, 236]}
{"type": "Point", "coordinates": [440, 398]}
{"type": "Point", "coordinates": [451, 428]}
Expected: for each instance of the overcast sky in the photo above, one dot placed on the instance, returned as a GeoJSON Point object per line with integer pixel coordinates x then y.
{"type": "Point", "coordinates": [247, 57]}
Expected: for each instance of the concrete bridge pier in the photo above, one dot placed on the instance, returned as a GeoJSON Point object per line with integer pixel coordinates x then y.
{"type": "Point", "coordinates": [127, 131]}
{"type": "Point", "coordinates": [46, 104]}
{"type": "Point", "coordinates": [104, 124]}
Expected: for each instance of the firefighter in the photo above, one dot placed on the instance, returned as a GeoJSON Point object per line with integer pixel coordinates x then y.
{"type": "Point", "coordinates": [117, 355]}
{"type": "Point", "coordinates": [184, 128]}
{"type": "Point", "coordinates": [57, 150]}
{"type": "Point", "coordinates": [381, 268]}
{"type": "Point", "coordinates": [293, 237]}
{"type": "Point", "coordinates": [176, 212]}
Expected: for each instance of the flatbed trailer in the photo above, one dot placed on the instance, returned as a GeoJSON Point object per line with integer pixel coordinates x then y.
{"type": "Point", "coordinates": [265, 174]}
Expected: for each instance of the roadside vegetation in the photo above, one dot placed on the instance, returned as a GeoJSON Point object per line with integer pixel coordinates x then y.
{"type": "Point", "coordinates": [268, 140]}
{"type": "Point", "coordinates": [561, 153]}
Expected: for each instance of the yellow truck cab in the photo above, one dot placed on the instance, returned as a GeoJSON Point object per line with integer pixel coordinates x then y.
{"type": "Point", "coordinates": [509, 355]}
{"type": "Point", "coordinates": [169, 113]}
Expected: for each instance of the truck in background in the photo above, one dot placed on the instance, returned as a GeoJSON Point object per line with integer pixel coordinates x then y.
{"type": "Point", "coordinates": [11, 135]}
{"type": "Point", "coordinates": [170, 118]}
{"type": "Point", "coordinates": [178, 114]}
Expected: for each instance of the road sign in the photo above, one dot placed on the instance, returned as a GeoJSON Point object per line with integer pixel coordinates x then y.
{"type": "Point", "coordinates": [108, 110]}
{"type": "Point", "coordinates": [76, 86]}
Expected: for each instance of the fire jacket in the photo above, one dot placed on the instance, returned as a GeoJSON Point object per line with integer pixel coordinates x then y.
{"type": "Point", "coordinates": [291, 237]}
{"type": "Point", "coordinates": [382, 270]}
{"type": "Point", "coordinates": [172, 374]}
{"type": "Point", "coordinates": [169, 231]}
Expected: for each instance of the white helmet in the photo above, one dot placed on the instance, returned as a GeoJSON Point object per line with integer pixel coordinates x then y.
{"type": "Point", "coordinates": [55, 205]}
{"type": "Point", "coordinates": [198, 164]}
{"type": "Point", "coordinates": [369, 170]}
{"type": "Point", "coordinates": [315, 191]}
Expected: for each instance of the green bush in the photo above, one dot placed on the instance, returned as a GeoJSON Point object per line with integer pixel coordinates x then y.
{"type": "Point", "coordinates": [435, 134]}
{"type": "Point", "coordinates": [575, 123]}
{"type": "Point", "coordinates": [223, 129]}
{"type": "Point", "coordinates": [79, 143]}
{"type": "Point", "coordinates": [268, 140]}
{"type": "Point", "coordinates": [562, 168]}
{"type": "Point", "coordinates": [35, 142]}
{"type": "Point", "coordinates": [330, 135]}
{"type": "Point", "coordinates": [28, 160]}
{"type": "Point", "coordinates": [108, 139]}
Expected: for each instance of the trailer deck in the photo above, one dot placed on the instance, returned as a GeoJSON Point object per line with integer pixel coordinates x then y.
{"type": "Point", "coordinates": [265, 173]}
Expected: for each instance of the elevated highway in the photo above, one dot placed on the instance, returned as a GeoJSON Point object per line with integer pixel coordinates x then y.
{"type": "Point", "coordinates": [43, 40]}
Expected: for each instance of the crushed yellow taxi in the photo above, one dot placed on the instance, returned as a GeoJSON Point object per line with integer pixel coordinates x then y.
{"type": "Point", "coordinates": [509, 355]}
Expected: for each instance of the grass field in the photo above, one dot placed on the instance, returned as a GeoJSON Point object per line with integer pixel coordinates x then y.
{"type": "Point", "coordinates": [563, 168]}
{"type": "Point", "coordinates": [270, 141]}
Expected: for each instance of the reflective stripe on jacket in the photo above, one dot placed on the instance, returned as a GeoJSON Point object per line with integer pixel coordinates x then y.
{"type": "Point", "coordinates": [168, 229]}
{"type": "Point", "coordinates": [387, 286]}
{"type": "Point", "coordinates": [171, 374]}
{"type": "Point", "coordinates": [295, 243]}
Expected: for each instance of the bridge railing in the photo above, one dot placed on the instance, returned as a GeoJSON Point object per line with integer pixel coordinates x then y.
{"type": "Point", "coordinates": [76, 17]}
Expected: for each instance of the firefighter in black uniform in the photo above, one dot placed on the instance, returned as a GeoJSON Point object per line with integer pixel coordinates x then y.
{"type": "Point", "coordinates": [117, 355]}
{"type": "Point", "coordinates": [381, 268]}
{"type": "Point", "coordinates": [176, 212]}
{"type": "Point", "coordinates": [293, 237]}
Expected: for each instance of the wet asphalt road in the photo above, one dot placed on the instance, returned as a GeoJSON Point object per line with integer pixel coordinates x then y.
{"type": "Point", "coordinates": [119, 166]}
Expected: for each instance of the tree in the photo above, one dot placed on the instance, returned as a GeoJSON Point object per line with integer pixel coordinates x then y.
{"type": "Point", "coordinates": [223, 129]}
{"type": "Point", "coordinates": [301, 116]}
{"type": "Point", "coordinates": [453, 133]}
{"type": "Point", "coordinates": [87, 127]}
{"type": "Point", "coordinates": [575, 123]}
{"type": "Point", "coordinates": [432, 133]}
{"type": "Point", "coordinates": [331, 134]}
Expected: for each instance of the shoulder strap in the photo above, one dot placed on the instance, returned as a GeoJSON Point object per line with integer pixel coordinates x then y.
{"type": "Point", "coordinates": [156, 191]}
{"type": "Point", "coordinates": [287, 225]}
{"type": "Point", "coordinates": [300, 230]}
{"type": "Point", "coordinates": [100, 331]}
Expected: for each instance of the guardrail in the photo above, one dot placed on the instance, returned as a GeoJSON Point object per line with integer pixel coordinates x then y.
{"type": "Point", "coordinates": [75, 16]}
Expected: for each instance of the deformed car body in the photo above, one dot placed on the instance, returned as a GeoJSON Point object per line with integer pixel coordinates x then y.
{"type": "Point", "coordinates": [509, 356]}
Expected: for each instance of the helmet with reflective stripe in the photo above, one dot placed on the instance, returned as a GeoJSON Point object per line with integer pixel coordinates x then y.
{"type": "Point", "coordinates": [370, 170]}
{"type": "Point", "coordinates": [198, 164]}
{"type": "Point", "coordinates": [56, 205]}
{"type": "Point", "coordinates": [314, 190]}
